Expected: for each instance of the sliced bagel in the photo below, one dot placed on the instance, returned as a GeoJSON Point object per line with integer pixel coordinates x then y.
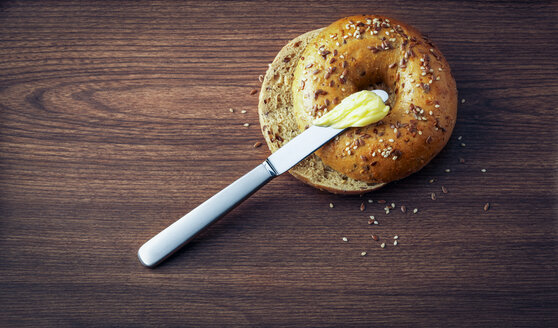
{"type": "Point", "coordinates": [279, 124]}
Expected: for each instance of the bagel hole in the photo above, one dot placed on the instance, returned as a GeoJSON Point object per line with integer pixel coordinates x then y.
{"type": "Point", "coordinates": [381, 85]}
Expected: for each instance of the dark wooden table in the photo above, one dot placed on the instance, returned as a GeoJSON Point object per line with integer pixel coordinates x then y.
{"type": "Point", "coordinates": [115, 121]}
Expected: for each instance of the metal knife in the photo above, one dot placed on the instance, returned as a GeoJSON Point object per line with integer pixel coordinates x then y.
{"type": "Point", "coordinates": [178, 234]}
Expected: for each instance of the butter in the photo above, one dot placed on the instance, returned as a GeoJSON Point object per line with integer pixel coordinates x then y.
{"type": "Point", "coordinates": [357, 110]}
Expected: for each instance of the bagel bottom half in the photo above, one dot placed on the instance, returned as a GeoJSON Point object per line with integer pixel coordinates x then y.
{"type": "Point", "coordinates": [279, 125]}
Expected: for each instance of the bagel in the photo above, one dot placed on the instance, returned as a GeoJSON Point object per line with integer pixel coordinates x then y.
{"type": "Point", "coordinates": [318, 69]}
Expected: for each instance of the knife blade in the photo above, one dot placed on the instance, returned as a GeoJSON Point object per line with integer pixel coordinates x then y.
{"type": "Point", "coordinates": [172, 238]}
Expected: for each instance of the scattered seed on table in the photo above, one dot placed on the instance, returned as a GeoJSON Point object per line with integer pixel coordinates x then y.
{"type": "Point", "coordinates": [375, 237]}
{"type": "Point", "coordinates": [396, 237]}
{"type": "Point", "coordinates": [383, 245]}
{"type": "Point", "coordinates": [253, 92]}
{"type": "Point", "coordinates": [395, 243]}
{"type": "Point", "coordinates": [403, 209]}
{"type": "Point", "coordinates": [246, 124]}
{"type": "Point", "coordinates": [447, 170]}
{"type": "Point", "coordinates": [444, 190]}
{"type": "Point", "coordinates": [486, 206]}
{"type": "Point", "coordinates": [415, 210]}
{"type": "Point", "coordinates": [231, 110]}
{"type": "Point", "coordinates": [261, 78]}
{"type": "Point", "coordinates": [463, 144]}
{"type": "Point", "coordinates": [257, 144]}
{"type": "Point", "coordinates": [345, 239]}
{"type": "Point", "coordinates": [243, 111]}
{"type": "Point", "coordinates": [370, 201]}
{"type": "Point", "coordinates": [433, 196]}
{"type": "Point", "coordinates": [483, 170]}
{"type": "Point", "coordinates": [463, 100]}
{"type": "Point", "coordinates": [362, 207]}
{"type": "Point", "coordinates": [331, 205]}
{"type": "Point", "coordinates": [363, 254]}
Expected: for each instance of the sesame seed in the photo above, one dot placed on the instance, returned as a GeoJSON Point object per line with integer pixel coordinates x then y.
{"type": "Point", "coordinates": [437, 106]}
{"type": "Point", "coordinates": [381, 140]}
{"type": "Point", "coordinates": [463, 100]}
{"type": "Point", "coordinates": [331, 205]}
{"type": "Point", "coordinates": [433, 196]}
{"type": "Point", "coordinates": [376, 222]}
{"type": "Point", "coordinates": [463, 144]}
{"type": "Point", "coordinates": [392, 205]}
{"type": "Point", "coordinates": [362, 207]}
{"type": "Point", "coordinates": [440, 69]}
{"type": "Point", "coordinates": [459, 138]}
{"type": "Point", "coordinates": [253, 92]}
{"type": "Point", "coordinates": [396, 237]}
{"type": "Point", "coordinates": [486, 206]}
{"type": "Point", "coordinates": [483, 170]}
{"type": "Point", "coordinates": [345, 239]}
{"type": "Point", "coordinates": [383, 245]}
{"type": "Point", "coordinates": [430, 112]}
{"type": "Point", "coordinates": [444, 190]}
{"type": "Point", "coordinates": [370, 201]}
{"type": "Point", "coordinates": [447, 170]}
{"type": "Point", "coordinates": [431, 180]}
{"type": "Point", "coordinates": [415, 211]}
{"type": "Point", "coordinates": [231, 110]}
{"type": "Point", "coordinates": [395, 243]}
{"type": "Point", "coordinates": [257, 144]}
{"type": "Point", "coordinates": [371, 217]}
{"type": "Point", "coordinates": [363, 254]}
{"type": "Point", "coordinates": [243, 111]}
{"type": "Point", "coordinates": [261, 78]}
{"type": "Point", "coordinates": [375, 237]}
{"type": "Point", "coordinates": [403, 209]}
{"type": "Point", "coordinates": [391, 140]}
{"type": "Point", "coordinates": [246, 124]}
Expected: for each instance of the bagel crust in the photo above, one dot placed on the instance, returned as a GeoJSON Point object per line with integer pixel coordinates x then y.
{"type": "Point", "coordinates": [362, 52]}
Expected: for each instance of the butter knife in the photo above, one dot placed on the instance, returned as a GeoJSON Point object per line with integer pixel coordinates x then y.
{"type": "Point", "coordinates": [178, 234]}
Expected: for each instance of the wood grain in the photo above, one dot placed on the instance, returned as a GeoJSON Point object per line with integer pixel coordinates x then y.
{"type": "Point", "coordinates": [114, 121]}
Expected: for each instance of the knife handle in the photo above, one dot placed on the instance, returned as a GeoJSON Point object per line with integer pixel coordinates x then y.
{"type": "Point", "coordinates": [182, 231]}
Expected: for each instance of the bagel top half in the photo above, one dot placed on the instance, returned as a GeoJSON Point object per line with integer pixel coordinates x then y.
{"type": "Point", "coordinates": [364, 52]}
